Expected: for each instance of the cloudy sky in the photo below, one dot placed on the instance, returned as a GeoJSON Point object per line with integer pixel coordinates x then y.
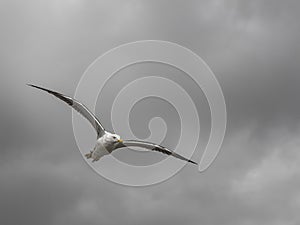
{"type": "Point", "coordinates": [253, 49]}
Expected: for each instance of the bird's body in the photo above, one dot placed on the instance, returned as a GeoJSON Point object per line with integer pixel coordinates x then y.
{"type": "Point", "coordinates": [107, 142]}
{"type": "Point", "coordinates": [104, 146]}
{"type": "Point", "coordinates": [98, 152]}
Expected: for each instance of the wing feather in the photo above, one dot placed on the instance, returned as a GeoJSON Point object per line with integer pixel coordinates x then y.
{"type": "Point", "coordinates": [153, 147]}
{"type": "Point", "coordinates": [79, 107]}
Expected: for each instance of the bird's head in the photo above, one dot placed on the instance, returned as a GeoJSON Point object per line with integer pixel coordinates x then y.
{"type": "Point", "coordinates": [112, 138]}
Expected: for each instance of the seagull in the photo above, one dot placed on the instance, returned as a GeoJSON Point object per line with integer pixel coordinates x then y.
{"type": "Point", "coordinates": [107, 142]}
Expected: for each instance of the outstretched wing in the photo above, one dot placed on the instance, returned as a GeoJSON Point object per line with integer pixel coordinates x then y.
{"type": "Point", "coordinates": [79, 107]}
{"type": "Point", "coordinates": [153, 147]}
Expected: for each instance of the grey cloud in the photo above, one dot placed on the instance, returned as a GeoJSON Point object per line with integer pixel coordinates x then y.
{"type": "Point", "coordinates": [251, 46]}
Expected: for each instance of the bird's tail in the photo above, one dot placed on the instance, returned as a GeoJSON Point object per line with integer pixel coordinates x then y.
{"type": "Point", "coordinates": [88, 155]}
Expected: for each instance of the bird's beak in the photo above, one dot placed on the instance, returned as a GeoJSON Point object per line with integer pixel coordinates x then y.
{"type": "Point", "coordinates": [120, 140]}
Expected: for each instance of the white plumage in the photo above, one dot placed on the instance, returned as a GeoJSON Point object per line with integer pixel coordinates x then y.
{"type": "Point", "coordinates": [106, 141]}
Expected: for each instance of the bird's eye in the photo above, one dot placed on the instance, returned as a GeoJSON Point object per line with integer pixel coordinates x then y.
{"type": "Point", "coordinates": [114, 137]}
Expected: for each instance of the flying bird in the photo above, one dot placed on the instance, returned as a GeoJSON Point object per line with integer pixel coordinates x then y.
{"type": "Point", "coordinates": [107, 142]}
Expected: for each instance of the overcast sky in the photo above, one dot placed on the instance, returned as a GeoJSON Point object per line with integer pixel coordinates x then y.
{"type": "Point", "coordinates": [253, 49]}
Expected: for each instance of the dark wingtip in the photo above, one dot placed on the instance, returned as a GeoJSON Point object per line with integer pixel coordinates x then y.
{"type": "Point", "coordinates": [193, 162]}
{"type": "Point", "coordinates": [32, 85]}
{"type": "Point", "coordinates": [41, 88]}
